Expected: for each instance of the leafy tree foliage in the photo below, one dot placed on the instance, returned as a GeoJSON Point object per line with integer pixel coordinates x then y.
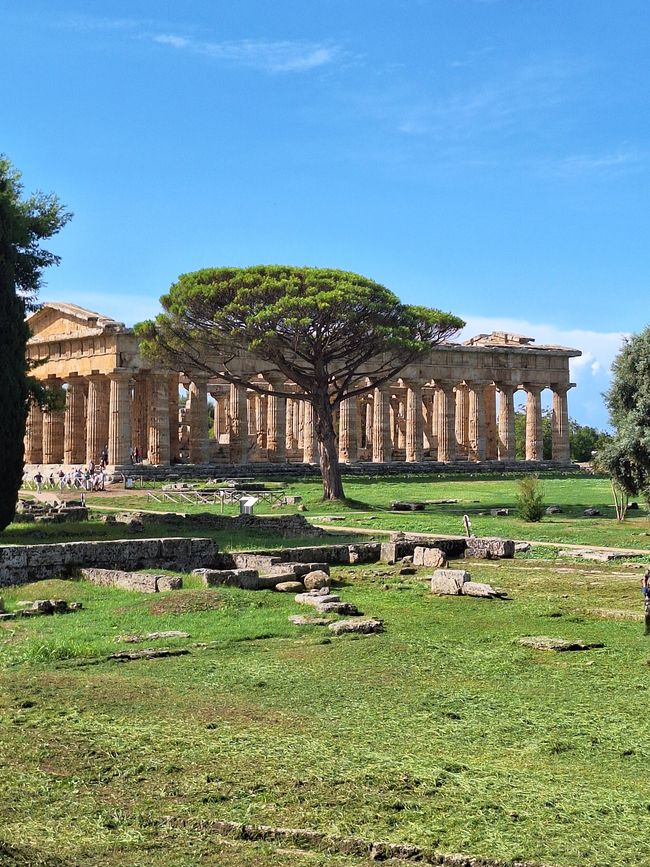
{"type": "Point", "coordinates": [333, 334]}
{"type": "Point", "coordinates": [24, 223]}
{"type": "Point", "coordinates": [583, 440]}
{"type": "Point", "coordinates": [627, 457]}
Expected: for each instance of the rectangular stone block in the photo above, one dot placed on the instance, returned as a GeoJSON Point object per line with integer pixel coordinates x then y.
{"type": "Point", "coordinates": [489, 549]}
{"type": "Point", "coordinates": [261, 562]}
{"type": "Point", "coordinates": [168, 582]}
{"type": "Point", "coordinates": [432, 557]}
{"type": "Point", "coordinates": [449, 582]}
{"type": "Point", "coordinates": [13, 556]}
{"type": "Point", "coordinates": [224, 577]}
{"type": "Point", "coordinates": [175, 551]}
{"type": "Point", "coordinates": [203, 552]}
{"type": "Point", "coordinates": [366, 552]}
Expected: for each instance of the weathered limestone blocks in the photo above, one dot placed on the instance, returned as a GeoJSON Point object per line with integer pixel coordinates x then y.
{"type": "Point", "coordinates": [20, 564]}
{"type": "Point", "coordinates": [489, 549]}
{"type": "Point", "coordinates": [458, 582]}
{"type": "Point", "coordinates": [300, 569]}
{"type": "Point", "coordinates": [434, 558]}
{"type": "Point", "coordinates": [224, 577]}
{"type": "Point", "coordinates": [245, 579]}
{"type": "Point", "coordinates": [284, 526]}
{"type": "Point", "coordinates": [143, 582]}
{"type": "Point", "coordinates": [365, 553]}
{"type": "Point", "coordinates": [449, 582]}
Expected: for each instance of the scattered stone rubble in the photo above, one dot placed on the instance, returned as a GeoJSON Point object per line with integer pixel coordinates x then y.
{"type": "Point", "coordinates": [458, 582]}
{"type": "Point", "coordinates": [597, 556]}
{"type": "Point", "coordinates": [40, 607]}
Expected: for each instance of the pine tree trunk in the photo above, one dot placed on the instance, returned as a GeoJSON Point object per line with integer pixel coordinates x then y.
{"type": "Point", "coordinates": [327, 449]}
{"type": "Point", "coordinates": [13, 391]}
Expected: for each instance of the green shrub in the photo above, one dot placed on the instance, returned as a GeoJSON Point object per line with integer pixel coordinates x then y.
{"type": "Point", "coordinates": [530, 499]}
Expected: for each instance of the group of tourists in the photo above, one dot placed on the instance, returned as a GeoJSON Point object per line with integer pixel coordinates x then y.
{"type": "Point", "coordinates": [90, 478]}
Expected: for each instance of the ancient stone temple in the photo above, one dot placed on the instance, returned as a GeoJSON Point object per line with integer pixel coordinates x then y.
{"type": "Point", "coordinates": [455, 404]}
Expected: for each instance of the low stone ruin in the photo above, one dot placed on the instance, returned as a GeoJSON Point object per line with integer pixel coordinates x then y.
{"type": "Point", "coordinates": [282, 577]}
{"type": "Point", "coordinates": [58, 512]}
{"type": "Point", "coordinates": [142, 582]}
{"type": "Point", "coordinates": [21, 564]}
{"type": "Point", "coordinates": [489, 549]}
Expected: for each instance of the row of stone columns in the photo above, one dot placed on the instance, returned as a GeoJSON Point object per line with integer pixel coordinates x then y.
{"type": "Point", "coordinates": [113, 413]}
{"type": "Point", "coordinates": [124, 410]}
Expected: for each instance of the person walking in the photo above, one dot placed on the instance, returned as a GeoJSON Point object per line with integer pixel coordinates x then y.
{"type": "Point", "coordinates": [38, 478]}
{"type": "Point", "coordinates": [645, 589]}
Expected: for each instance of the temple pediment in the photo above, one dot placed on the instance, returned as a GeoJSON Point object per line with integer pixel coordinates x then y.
{"type": "Point", "coordinates": [58, 321]}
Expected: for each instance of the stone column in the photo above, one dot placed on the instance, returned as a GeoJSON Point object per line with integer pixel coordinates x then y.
{"type": "Point", "coordinates": [34, 435]}
{"type": "Point", "coordinates": [476, 421]}
{"type": "Point", "coordinates": [291, 405]}
{"type": "Point", "coordinates": [140, 414]}
{"type": "Point", "coordinates": [238, 425]}
{"type": "Point", "coordinates": [251, 407]}
{"type": "Point", "coordinates": [74, 446]}
{"type": "Point", "coordinates": [119, 418]}
{"type": "Point", "coordinates": [97, 408]}
{"type": "Point", "coordinates": [491, 445]}
{"type": "Point", "coordinates": [348, 431]}
{"type": "Point", "coordinates": [428, 428]}
{"type": "Point", "coordinates": [381, 442]}
{"type": "Point", "coordinates": [462, 420]}
{"type": "Point", "coordinates": [310, 442]}
{"type": "Point", "coordinates": [296, 424]}
{"type": "Point", "coordinates": [506, 444]}
{"type": "Point", "coordinates": [159, 450]}
{"type": "Point", "coordinates": [276, 427]}
{"type": "Point", "coordinates": [199, 421]}
{"type": "Point", "coordinates": [560, 424]}
{"type": "Point", "coordinates": [172, 400]}
{"type": "Point", "coordinates": [53, 426]}
{"type": "Point", "coordinates": [399, 437]}
{"type": "Point", "coordinates": [261, 421]}
{"type": "Point", "coordinates": [446, 401]}
{"type": "Point", "coordinates": [413, 423]}
{"type": "Point", "coordinates": [534, 437]}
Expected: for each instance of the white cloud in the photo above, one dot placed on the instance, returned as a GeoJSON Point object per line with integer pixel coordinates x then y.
{"type": "Point", "coordinates": [268, 56]}
{"type": "Point", "coordinates": [590, 371]}
{"type": "Point", "coordinates": [588, 164]}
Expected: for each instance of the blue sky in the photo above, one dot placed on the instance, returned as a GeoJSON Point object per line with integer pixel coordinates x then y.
{"type": "Point", "coordinates": [488, 157]}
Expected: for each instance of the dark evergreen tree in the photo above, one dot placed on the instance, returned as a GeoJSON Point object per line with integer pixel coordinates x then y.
{"type": "Point", "coordinates": [24, 223]}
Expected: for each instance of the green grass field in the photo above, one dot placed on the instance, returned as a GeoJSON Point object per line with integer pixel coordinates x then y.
{"type": "Point", "coordinates": [441, 732]}
{"type": "Point", "coordinates": [371, 509]}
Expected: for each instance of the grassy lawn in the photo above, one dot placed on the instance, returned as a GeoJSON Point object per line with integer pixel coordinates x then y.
{"type": "Point", "coordinates": [441, 732]}
{"type": "Point", "coordinates": [372, 499]}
